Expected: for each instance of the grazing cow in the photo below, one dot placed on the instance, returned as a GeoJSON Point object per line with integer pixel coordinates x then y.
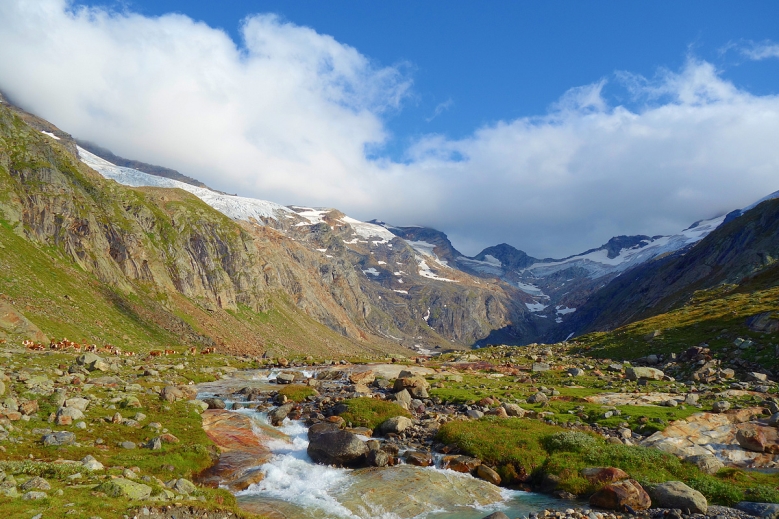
{"type": "Point", "coordinates": [155, 353]}
{"type": "Point", "coordinates": [206, 351]}
{"type": "Point", "coordinates": [170, 352]}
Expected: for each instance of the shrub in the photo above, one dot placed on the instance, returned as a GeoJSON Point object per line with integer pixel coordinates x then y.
{"type": "Point", "coordinates": [569, 441]}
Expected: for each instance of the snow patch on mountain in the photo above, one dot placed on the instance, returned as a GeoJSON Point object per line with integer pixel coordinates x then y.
{"type": "Point", "coordinates": [314, 216]}
{"type": "Point", "coordinates": [50, 135]}
{"type": "Point", "coordinates": [236, 207]}
{"type": "Point", "coordinates": [369, 230]}
{"type": "Point", "coordinates": [562, 310]}
{"type": "Point", "coordinates": [425, 272]}
{"type": "Point", "coordinates": [426, 249]}
{"type": "Point", "coordinates": [535, 307]}
{"type": "Point", "coordinates": [531, 289]}
{"type": "Point", "coordinates": [597, 263]}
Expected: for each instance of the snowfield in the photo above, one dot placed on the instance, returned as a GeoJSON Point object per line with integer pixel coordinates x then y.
{"type": "Point", "coordinates": [235, 207]}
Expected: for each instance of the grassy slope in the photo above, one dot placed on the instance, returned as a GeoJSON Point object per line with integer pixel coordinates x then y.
{"type": "Point", "coordinates": [42, 281]}
{"type": "Point", "coordinates": [716, 317]}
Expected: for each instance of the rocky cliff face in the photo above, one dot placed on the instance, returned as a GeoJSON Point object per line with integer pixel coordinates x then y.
{"type": "Point", "coordinates": [157, 244]}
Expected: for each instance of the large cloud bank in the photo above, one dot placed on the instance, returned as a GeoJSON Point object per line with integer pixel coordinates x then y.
{"type": "Point", "coordinates": [296, 117]}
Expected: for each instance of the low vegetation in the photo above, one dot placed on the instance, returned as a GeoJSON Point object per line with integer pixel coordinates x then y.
{"type": "Point", "coordinates": [370, 413]}
{"type": "Point", "coordinates": [524, 450]}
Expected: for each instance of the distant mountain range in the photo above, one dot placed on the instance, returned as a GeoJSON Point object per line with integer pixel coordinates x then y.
{"type": "Point", "coordinates": [407, 286]}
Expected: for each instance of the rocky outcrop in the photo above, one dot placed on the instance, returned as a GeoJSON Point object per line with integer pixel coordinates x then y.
{"type": "Point", "coordinates": [242, 448]}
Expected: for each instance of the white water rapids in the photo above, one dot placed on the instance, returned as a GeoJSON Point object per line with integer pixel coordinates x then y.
{"type": "Point", "coordinates": [295, 487]}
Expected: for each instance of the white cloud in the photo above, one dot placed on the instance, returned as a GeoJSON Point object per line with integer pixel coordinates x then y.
{"type": "Point", "coordinates": [759, 51]}
{"type": "Point", "coordinates": [288, 116]}
{"type": "Point", "coordinates": [441, 108]}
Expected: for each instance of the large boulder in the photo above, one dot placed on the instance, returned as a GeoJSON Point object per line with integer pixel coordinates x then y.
{"type": "Point", "coordinates": [330, 445]}
{"type": "Point", "coordinates": [636, 373]}
{"type": "Point", "coordinates": [487, 474]}
{"type": "Point", "coordinates": [514, 409]}
{"type": "Point", "coordinates": [675, 494]}
{"type": "Point", "coordinates": [59, 438]}
{"type": "Point", "coordinates": [616, 496]}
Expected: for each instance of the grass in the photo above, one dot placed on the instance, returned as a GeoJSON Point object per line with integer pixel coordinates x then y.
{"type": "Point", "coordinates": [297, 392]}
{"type": "Point", "coordinates": [370, 412]}
{"type": "Point", "coordinates": [523, 450]}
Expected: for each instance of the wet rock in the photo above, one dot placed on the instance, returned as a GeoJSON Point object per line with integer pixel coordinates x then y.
{"type": "Point", "coordinates": [487, 474]}
{"type": "Point", "coordinates": [330, 445]}
{"type": "Point", "coordinates": [396, 424]}
{"type": "Point", "coordinates": [378, 458]}
{"type": "Point", "coordinates": [285, 378]}
{"type": "Point", "coordinates": [214, 403]}
{"type": "Point", "coordinates": [597, 475]}
{"type": "Point", "coordinates": [122, 487]}
{"type": "Point", "coordinates": [616, 495]}
{"type": "Point", "coordinates": [675, 494]}
{"type": "Point", "coordinates": [59, 438]}
{"type": "Point", "coordinates": [278, 415]}
{"type": "Point", "coordinates": [464, 464]}
{"type": "Point", "coordinates": [243, 446]}
{"type": "Point", "coordinates": [418, 458]}
{"type": "Point", "coordinates": [636, 373]}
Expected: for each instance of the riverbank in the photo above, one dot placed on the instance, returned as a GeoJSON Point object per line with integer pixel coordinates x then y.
{"type": "Point", "coordinates": [107, 432]}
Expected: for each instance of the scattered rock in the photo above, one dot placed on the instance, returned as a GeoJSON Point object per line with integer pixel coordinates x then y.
{"type": "Point", "coordinates": [675, 494]}
{"type": "Point", "coordinates": [615, 496]}
{"type": "Point", "coordinates": [36, 483]}
{"type": "Point", "coordinates": [636, 373]}
{"type": "Point", "coordinates": [396, 424]}
{"type": "Point", "coordinates": [720, 406]}
{"type": "Point", "coordinates": [122, 487]}
{"type": "Point", "coordinates": [487, 474]}
{"type": "Point", "coordinates": [59, 438]}
{"type": "Point", "coordinates": [707, 463]}
{"type": "Point", "coordinates": [278, 415]}
{"type": "Point", "coordinates": [538, 398]}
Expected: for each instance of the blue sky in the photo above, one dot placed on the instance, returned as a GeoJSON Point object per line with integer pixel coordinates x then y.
{"type": "Point", "coordinates": [551, 126]}
{"type": "Point", "coordinates": [473, 63]}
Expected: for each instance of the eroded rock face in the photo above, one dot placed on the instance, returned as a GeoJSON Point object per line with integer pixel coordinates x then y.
{"type": "Point", "coordinates": [330, 445]}
{"type": "Point", "coordinates": [616, 495]}
{"type": "Point", "coordinates": [715, 434]}
{"type": "Point", "coordinates": [242, 446]}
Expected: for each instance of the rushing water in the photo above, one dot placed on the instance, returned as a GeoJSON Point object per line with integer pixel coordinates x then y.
{"type": "Point", "coordinates": [295, 487]}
